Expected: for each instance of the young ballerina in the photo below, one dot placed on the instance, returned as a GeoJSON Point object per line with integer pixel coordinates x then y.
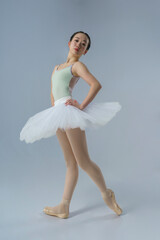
{"type": "Point", "coordinates": [67, 119]}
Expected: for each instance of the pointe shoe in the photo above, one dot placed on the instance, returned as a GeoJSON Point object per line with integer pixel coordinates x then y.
{"type": "Point", "coordinates": [60, 215]}
{"type": "Point", "coordinates": [114, 206]}
{"type": "Point", "coordinates": [65, 209]}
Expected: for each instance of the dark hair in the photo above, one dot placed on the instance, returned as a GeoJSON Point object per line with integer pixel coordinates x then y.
{"type": "Point", "coordinates": [89, 44]}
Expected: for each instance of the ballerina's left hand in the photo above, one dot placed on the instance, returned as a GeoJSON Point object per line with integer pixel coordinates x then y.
{"type": "Point", "coordinates": [73, 103]}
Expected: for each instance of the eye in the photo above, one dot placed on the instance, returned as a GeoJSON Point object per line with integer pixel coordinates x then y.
{"type": "Point", "coordinates": [76, 40]}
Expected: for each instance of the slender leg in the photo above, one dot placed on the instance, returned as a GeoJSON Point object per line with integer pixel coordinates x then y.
{"type": "Point", "coordinates": [71, 165]}
{"type": "Point", "coordinates": [62, 210]}
{"type": "Point", "coordinates": [77, 139]}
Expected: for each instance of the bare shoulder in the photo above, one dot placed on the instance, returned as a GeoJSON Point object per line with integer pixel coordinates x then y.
{"type": "Point", "coordinates": [81, 70]}
{"type": "Point", "coordinates": [78, 68]}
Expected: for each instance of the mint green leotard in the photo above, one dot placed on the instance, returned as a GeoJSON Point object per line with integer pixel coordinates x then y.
{"type": "Point", "coordinates": [63, 82]}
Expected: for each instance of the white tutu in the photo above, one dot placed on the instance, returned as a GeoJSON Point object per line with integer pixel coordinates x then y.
{"type": "Point", "coordinates": [45, 123]}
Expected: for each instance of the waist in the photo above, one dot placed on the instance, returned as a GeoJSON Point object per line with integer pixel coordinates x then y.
{"type": "Point", "coordinates": [62, 100]}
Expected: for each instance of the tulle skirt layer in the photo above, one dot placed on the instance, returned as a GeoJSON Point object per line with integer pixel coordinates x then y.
{"type": "Point", "coordinates": [44, 124]}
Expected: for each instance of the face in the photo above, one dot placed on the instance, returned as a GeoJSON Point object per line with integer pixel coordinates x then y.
{"type": "Point", "coordinates": [79, 44]}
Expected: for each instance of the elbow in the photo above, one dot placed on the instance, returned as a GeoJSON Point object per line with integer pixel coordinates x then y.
{"type": "Point", "coordinates": [99, 86]}
{"type": "Point", "coordinates": [96, 86]}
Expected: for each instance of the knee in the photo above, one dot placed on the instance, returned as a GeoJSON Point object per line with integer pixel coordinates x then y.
{"type": "Point", "coordinates": [84, 163]}
{"type": "Point", "coordinates": [71, 163]}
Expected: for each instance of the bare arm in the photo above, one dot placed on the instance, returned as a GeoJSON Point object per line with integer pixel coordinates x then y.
{"type": "Point", "coordinates": [52, 98]}
{"type": "Point", "coordinates": [83, 72]}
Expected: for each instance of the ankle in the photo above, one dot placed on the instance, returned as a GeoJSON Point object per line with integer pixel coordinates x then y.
{"type": "Point", "coordinates": [66, 201]}
{"type": "Point", "coordinates": [107, 192]}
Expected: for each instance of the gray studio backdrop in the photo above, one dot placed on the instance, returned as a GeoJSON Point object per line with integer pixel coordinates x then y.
{"type": "Point", "coordinates": [125, 58]}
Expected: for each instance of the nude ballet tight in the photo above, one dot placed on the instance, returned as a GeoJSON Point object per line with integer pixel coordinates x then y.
{"type": "Point", "coordinates": [74, 146]}
{"type": "Point", "coordinates": [75, 150]}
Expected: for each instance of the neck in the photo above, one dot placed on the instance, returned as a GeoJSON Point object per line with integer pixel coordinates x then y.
{"type": "Point", "coordinates": [72, 58]}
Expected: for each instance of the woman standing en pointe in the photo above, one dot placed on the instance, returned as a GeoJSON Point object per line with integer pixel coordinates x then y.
{"type": "Point", "coordinates": [68, 119]}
